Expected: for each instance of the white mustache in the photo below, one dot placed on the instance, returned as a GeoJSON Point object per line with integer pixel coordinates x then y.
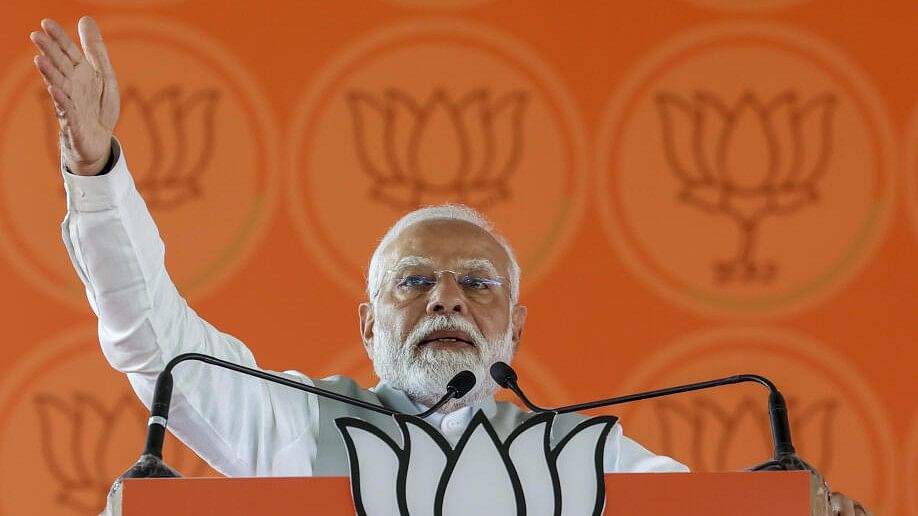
{"type": "Point", "coordinates": [443, 322]}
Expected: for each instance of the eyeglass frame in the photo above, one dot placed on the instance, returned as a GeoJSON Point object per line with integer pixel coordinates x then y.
{"type": "Point", "coordinates": [495, 281]}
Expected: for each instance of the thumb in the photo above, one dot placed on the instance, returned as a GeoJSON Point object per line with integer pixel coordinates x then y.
{"type": "Point", "coordinates": [94, 47]}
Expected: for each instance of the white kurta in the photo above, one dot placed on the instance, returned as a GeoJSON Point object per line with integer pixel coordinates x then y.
{"type": "Point", "coordinates": [239, 425]}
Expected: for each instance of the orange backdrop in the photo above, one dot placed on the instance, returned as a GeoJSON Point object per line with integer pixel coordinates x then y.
{"type": "Point", "coordinates": [695, 188]}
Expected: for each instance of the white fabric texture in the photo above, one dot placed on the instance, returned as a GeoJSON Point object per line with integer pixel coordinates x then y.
{"type": "Point", "coordinates": [239, 425]}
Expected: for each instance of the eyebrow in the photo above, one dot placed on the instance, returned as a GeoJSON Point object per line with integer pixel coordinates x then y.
{"type": "Point", "coordinates": [479, 264]}
{"type": "Point", "coordinates": [423, 261]}
{"type": "Point", "coordinates": [412, 261]}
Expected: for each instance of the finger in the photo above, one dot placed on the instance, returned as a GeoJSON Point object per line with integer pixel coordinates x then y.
{"type": "Point", "coordinates": [94, 46]}
{"type": "Point", "coordinates": [50, 74]}
{"type": "Point", "coordinates": [63, 40]}
{"type": "Point", "coordinates": [62, 103]}
{"type": "Point", "coordinates": [50, 48]}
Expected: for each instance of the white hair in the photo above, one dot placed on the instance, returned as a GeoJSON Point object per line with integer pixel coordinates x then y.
{"type": "Point", "coordinates": [441, 212]}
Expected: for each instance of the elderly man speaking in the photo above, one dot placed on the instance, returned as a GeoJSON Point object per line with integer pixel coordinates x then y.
{"type": "Point", "coordinates": [443, 296]}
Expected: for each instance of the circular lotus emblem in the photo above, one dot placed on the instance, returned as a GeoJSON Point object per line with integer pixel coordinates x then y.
{"type": "Point", "coordinates": [757, 196]}
{"type": "Point", "coordinates": [428, 113]}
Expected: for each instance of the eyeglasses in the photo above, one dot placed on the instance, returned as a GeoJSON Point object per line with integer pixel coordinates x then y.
{"type": "Point", "coordinates": [413, 281]}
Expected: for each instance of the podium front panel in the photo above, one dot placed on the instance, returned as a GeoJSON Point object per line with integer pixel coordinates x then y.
{"type": "Point", "coordinates": [631, 494]}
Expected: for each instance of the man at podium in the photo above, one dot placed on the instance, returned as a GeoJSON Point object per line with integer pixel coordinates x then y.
{"type": "Point", "coordinates": [442, 296]}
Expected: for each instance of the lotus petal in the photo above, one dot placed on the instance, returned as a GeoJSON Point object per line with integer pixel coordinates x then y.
{"type": "Point", "coordinates": [474, 109]}
{"type": "Point", "coordinates": [583, 489]}
{"type": "Point", "coordinates": [747, 150]}
{"type": "Point", "coordinates": [814, 432]}
{"type": "Point", "coordinates": [402, 117]}
{"type": "Point", "coordinates": [426, 451]}
{"type": "Point", "coordinates": [60, 439]}
{"type": "Point", "coordinates": [196, 131]}
{"type": "Point", "coordinates": [529, 449]}
{"type": "Point", "coordinates": [781, 112]}
{"type": "Point", "coordinates": [735, 435]}
{"type": "Point", "coordinates": [92, 420]}
{"type": "Point", "coordinates": [710, 122]}
{"type": "Point", "coordinates": [506, 128]}
{"type": "Point", "coordinates": [679, 429]}
{"type": "Point", "coordinates": [162, 109]}
{"type": "Point", "coordinates": [438, 148]}
{"type": "Point", "coordinates": [369, 119]}
{"type": "Point", "coordinates": [374, 460]}
{"type": "Point", "coordinates": [479, 479]}
{"type": "Point", "coordinates": [814, 134]}
{"type": "Point", "coordinates": [139, 133]}
{"type": "Point", "coordinates": [680, 137]}
{"type": "Point", "coordinates": [85, 498]}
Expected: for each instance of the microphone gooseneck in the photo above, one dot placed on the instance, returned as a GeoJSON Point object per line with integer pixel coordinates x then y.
{"type": "Point", "coordinates": [505, 376]}
{"type": "Point", "coordinates": [785, 457]}
{"type": "Point", "coordinates": [457, 387]}
{"type": "Point", "coordinates": [151, 465]}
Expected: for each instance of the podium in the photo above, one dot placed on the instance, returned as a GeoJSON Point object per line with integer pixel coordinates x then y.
{"type": "Point", "coordinates": [794, 493]}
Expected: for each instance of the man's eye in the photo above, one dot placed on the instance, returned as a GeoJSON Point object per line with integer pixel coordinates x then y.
{"type": "Point", "coordinates": [476, 282]}
{"type": "Point", "coordinates": [416, 281]}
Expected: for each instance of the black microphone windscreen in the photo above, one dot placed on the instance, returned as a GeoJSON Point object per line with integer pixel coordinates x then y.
{"type": "Point", "coordinates": [462, 383]}
{"type": "Point", "coordinates": [503, 374]}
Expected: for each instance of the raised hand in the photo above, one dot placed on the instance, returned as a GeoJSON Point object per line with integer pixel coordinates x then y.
{"type": "Point", "coordinates": [84, 90]}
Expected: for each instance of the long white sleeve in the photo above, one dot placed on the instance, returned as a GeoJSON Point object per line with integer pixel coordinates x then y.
{"type": "Point", "coordinates": [239, 425]}
{"type": "Point", "coordinates": [624, 455]}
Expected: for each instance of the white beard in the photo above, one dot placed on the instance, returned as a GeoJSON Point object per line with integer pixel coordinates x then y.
{"type": "Point", "coordinates": [422, 372]}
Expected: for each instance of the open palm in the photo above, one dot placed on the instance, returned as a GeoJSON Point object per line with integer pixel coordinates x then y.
{"type": "Point", "coordinates": [84, 90]}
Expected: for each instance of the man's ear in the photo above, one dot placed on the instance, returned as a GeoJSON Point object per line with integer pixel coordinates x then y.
{"type": "Point", "coordinates": [367, 317]}
{"type": "Point", "coordinates": [517, 321]}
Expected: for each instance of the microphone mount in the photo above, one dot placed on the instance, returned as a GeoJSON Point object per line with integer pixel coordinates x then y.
{"type": "Point", "coordinates": [151, 465]}
{"type": "Point", "coordinates": [785, 458]}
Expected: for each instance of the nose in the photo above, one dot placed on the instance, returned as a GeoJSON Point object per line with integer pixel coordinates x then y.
{"type": "Point", "coordinates": [446, 296]}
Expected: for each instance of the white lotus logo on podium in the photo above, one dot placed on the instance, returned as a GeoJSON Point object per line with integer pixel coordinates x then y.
{"type": "Point", "coordinates": [440, 149]}
{"type": "Point", "coordinates": [747, 161]}
{"type": "Point", "coordinates": [480, 475]}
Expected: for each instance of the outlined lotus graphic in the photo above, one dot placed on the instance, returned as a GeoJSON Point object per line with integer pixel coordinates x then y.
{"type": "Point", "coordinates": [176, 141]}
{"type": "Point", "coordinates": [717, 436]}
{"type": "Point", "coordinates": [442, 149]}
{"type": "Point", "coordinates": [179, 128]}
{"type": "Point", "coordinates": [80, 439]}
{"type": "Point", "coordinates": [747, 161]}
{"type": "Point", "coordinates": [482, 475]}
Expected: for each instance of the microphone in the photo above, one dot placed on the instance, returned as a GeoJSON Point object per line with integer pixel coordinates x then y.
{"type": "Point", "coordinates": [505, 376]}
{"type": "Point", "coordinates": [457, 387]}
{"type": "Point", "coordinates": [785, 458]}
{"type": "Point", "coordinates": [151, 465]}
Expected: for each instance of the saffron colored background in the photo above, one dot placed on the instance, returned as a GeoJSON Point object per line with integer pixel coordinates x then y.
{"type": "Point", "coordinates": [695, 188]}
